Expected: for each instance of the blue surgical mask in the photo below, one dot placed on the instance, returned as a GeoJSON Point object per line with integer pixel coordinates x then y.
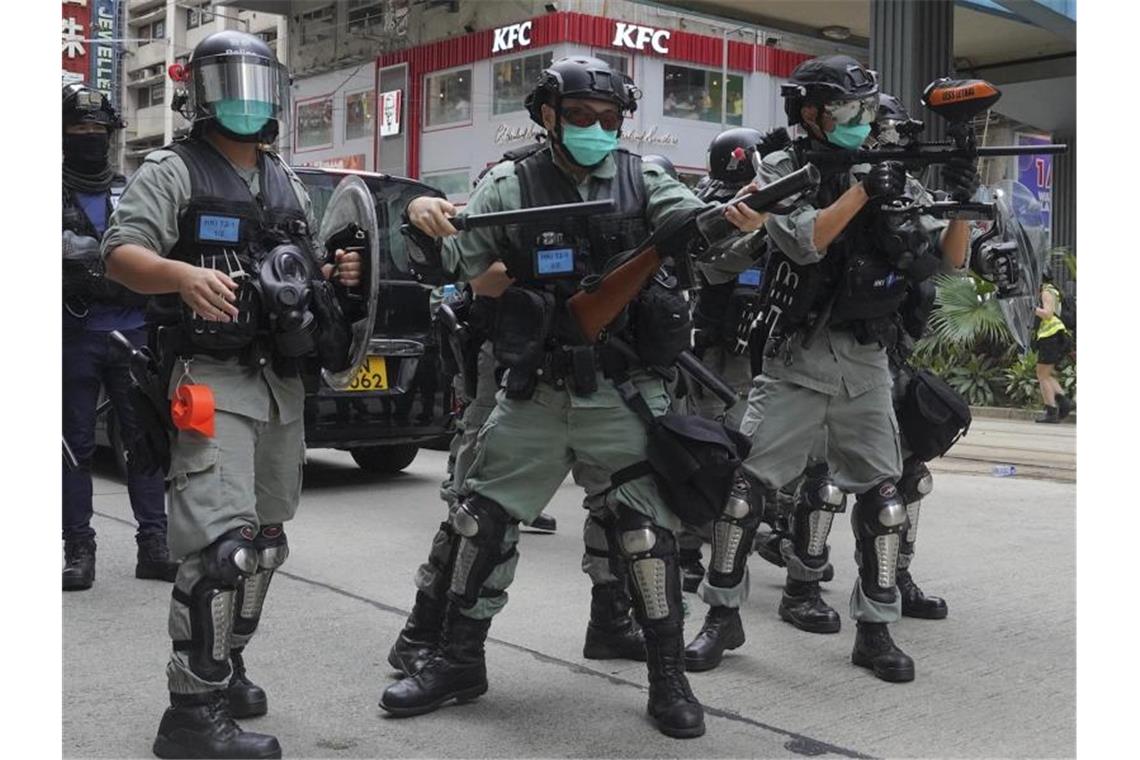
{"type": "Point", "coordinates": [588, 145]}
{"type": "Point", "coordinates": [243, 117]}
{"type": "Point", "coordinates": [849, 136]}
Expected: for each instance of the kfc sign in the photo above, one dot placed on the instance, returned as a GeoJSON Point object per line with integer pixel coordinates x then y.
{"type": "Point", "coordinates": [507, 37]}
{"type": "Point", "coordinates": [637, 37]}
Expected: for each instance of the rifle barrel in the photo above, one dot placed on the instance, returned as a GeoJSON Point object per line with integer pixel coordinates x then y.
{"type": "Point", "coordinates": [930, 153]}
{"type": "Point", "coordinates": [534, 214]}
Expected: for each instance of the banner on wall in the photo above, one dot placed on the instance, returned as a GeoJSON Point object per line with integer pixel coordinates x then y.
{"type": "Point", "coordinates": [1036, 173]}
{"type": "Point", "coordinates": [354, 162]}
{"type": "Point", "coordinates": [389, 105]}
{"type": "Point", "coordinates": [103, 53]}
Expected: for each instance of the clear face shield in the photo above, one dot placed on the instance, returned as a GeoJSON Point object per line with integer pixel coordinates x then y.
{"type": "Point", "coordinates": [242, 92]}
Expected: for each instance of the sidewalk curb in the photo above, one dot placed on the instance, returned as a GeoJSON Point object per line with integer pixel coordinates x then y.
{"type": "Point", "coordinates": [1008, 413]}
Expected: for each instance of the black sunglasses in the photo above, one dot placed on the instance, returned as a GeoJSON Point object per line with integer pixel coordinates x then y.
{"type": "Point", "coordinates": [587, 117]}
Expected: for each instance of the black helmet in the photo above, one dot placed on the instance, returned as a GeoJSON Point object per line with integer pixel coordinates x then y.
{"type": "Point", "coordinates": [84, 105]}
{"type": "Point", "coordinates": [828, 79]}
{"type": "Point", "coordinates": [234, 80]}
{"type": "Point", "coordinates": [728, 157]}
{"type": "Point", "coordinates": [661, 161]}
{"type": "Point", "coordinates": [893, 124]}
{"type": "Point", "coordinates": [581, 76]}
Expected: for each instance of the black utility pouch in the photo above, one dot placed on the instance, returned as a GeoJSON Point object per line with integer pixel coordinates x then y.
{"type": "Point", "coordinates": [932, 415]}
{"type": "Point", "coordinates": [662, 325]}
{"type": "Point", "coordinates": [521, 326]}
{"type": "Point", "coordinates": [334, 334]}
{"type": "Point", "coordinates": [583, 370]}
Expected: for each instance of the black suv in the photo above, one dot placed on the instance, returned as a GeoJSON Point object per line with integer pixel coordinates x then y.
{"type": "Point", "coordinates": [399, 400]}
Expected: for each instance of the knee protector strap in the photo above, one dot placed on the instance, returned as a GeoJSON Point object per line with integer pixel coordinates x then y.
{"type": "Point", "coordinates": [481, 525]}
{"type": "Point", "coordinates": [599, 561]}
{"type": "Point", "coordinates": [733, 532]}
{"type": "Point", "coordinates": [650, 552]}
{"type": "Point", "coordinates": [878, 519]}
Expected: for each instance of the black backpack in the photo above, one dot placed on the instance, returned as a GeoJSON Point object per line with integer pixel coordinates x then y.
{"type": "Point", "coordinates": [931, 415]}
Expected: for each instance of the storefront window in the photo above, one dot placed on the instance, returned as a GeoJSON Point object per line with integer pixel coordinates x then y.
{"type": "Point", "coordinates": [696, 94]}
{"type": "Point", "coordinates": [448, 98]}
{"type": "Point", "coordinates": [359, 108]}
{"type": "Point", "coordinates": [616, 62]}
{"type": "Point", "coordinates": [450, 183]}
{"type": "Point", "coordinates": [515, 78]}
{"type": "Point", "coordinates": [314, 124]}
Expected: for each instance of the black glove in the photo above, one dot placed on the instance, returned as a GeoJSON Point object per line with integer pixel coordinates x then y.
{"type": "Point", "coordinates": [885, 180]}
{"type": "Point", "coordinates": [777, 139]}
{"type": "Point", "coordinates": [960, 176]}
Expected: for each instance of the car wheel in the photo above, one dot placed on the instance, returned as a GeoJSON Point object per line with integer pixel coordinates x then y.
{"type": "Point", "coordinates": [385, 460]}
{"type": "Point", "coordinates": [118, 449]}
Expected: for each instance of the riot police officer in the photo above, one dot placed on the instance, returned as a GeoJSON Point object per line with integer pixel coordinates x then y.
{"type": "Point", "coordinates": [216, 227]}
{"type": "Point", "coordinates": [893, 127]}
{"type": "Point", "coordinates": [836, 283]}
{"type": "Point", "coordinates": [93, 307]}
{"type": "Point", "coordinates": [558, 409]}
{"type": "Point", "coordinates": [723, 307]}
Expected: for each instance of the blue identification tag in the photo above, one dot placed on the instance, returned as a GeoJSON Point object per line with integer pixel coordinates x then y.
{"type": "Point", "coordinates": [218, 229]}
{"type": "Point", "coordinates": [554, 262]}
{"type": "Point", "coordinates": [751, 277]}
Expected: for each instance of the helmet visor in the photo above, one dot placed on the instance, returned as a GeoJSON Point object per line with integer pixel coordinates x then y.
{"type": "Point", "coordinates": [854, 112]}
{"type": "Point", "coordinates": [262, 83]}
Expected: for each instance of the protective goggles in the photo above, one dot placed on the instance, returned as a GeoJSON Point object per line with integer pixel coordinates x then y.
{"type": "Point", "coordinates": [854, 112]}
{"type": "Point", "coordinates": [581, 116]}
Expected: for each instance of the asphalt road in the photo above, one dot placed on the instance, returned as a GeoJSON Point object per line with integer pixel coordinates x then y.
{"type": "Point", "coordinates": [995, 679]}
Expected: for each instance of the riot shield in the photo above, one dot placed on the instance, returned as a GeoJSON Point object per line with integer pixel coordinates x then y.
{"type": "Point", "coordinates": [1021, 224]}
{"type": "Point", "coordinates": [350, 223]}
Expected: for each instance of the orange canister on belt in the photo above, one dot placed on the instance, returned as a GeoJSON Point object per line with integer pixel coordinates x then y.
{"type": "Point", "coordinates": [192, 408]}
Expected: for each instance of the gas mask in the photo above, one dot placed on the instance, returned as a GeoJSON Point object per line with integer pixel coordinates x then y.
{"type": "Point", "coordinates": [285, 281]}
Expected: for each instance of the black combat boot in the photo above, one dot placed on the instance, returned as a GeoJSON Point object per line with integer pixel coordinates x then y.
{"type": "Point", "coordinates": [1065, 407]}
{"type": "Point", "coordinates": [456, 671]}
{"type": "Point", "coordinates": [876, 651]}
{"type": "Point", "coordinates": [1050, 415]}
{"type": "Point", "coordinates": [802, 606]}
{"type": "Point", "coordinates": [154, 561]}
{"type": "Point", "coordinates": [246, 699]}
{"type": "Point", "coordinates": [420, 636]}
{"type": "Point", "coordinates": [200, 725]}
{"type": "Point", "coordinates": [79, 564]}
{"type": "Point", "coordinates": [692, 571]}
{"type": "Point", "coordinates": [611, 633]}
{"type": "Point", "coordinates": [721, 631]}
{"type": "Point", "coordinates": [672, 705]}
{"type": "Point", "coordinates": [916, 604]}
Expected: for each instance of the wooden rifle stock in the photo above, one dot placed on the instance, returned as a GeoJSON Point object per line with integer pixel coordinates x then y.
{"type": "Point", "coordinates": [593, 308]}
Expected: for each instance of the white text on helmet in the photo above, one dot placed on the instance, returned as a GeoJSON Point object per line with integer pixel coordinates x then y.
{"type": "Point", "coordinates": [637, 37]}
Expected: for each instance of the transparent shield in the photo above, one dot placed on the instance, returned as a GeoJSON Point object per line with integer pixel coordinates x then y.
{"type": "Point", "coordinates": [1021, 220]}
{"type": "Point", "coordinates": [352, 208]}
{"type": "Point", "coordinates": [254, 82]}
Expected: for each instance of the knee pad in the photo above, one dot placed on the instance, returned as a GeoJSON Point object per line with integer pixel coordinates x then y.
{"type": "Point", "coordinates": [231, 557]}
{"type": "Point", "coordinates": [650, 552]}
{"type": "Point", "coordinates": [481, 525]}
{"type": "Point", "coordinates": [733, 532]}
{"type": "Point", "coordinates": [818, 500]}
{"type": "Point", "coordinates": [272, 550]}
{"type": "Point", "coordinates": [916, 481]}
{"type": "Point", "coordinates": [879, 519]}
